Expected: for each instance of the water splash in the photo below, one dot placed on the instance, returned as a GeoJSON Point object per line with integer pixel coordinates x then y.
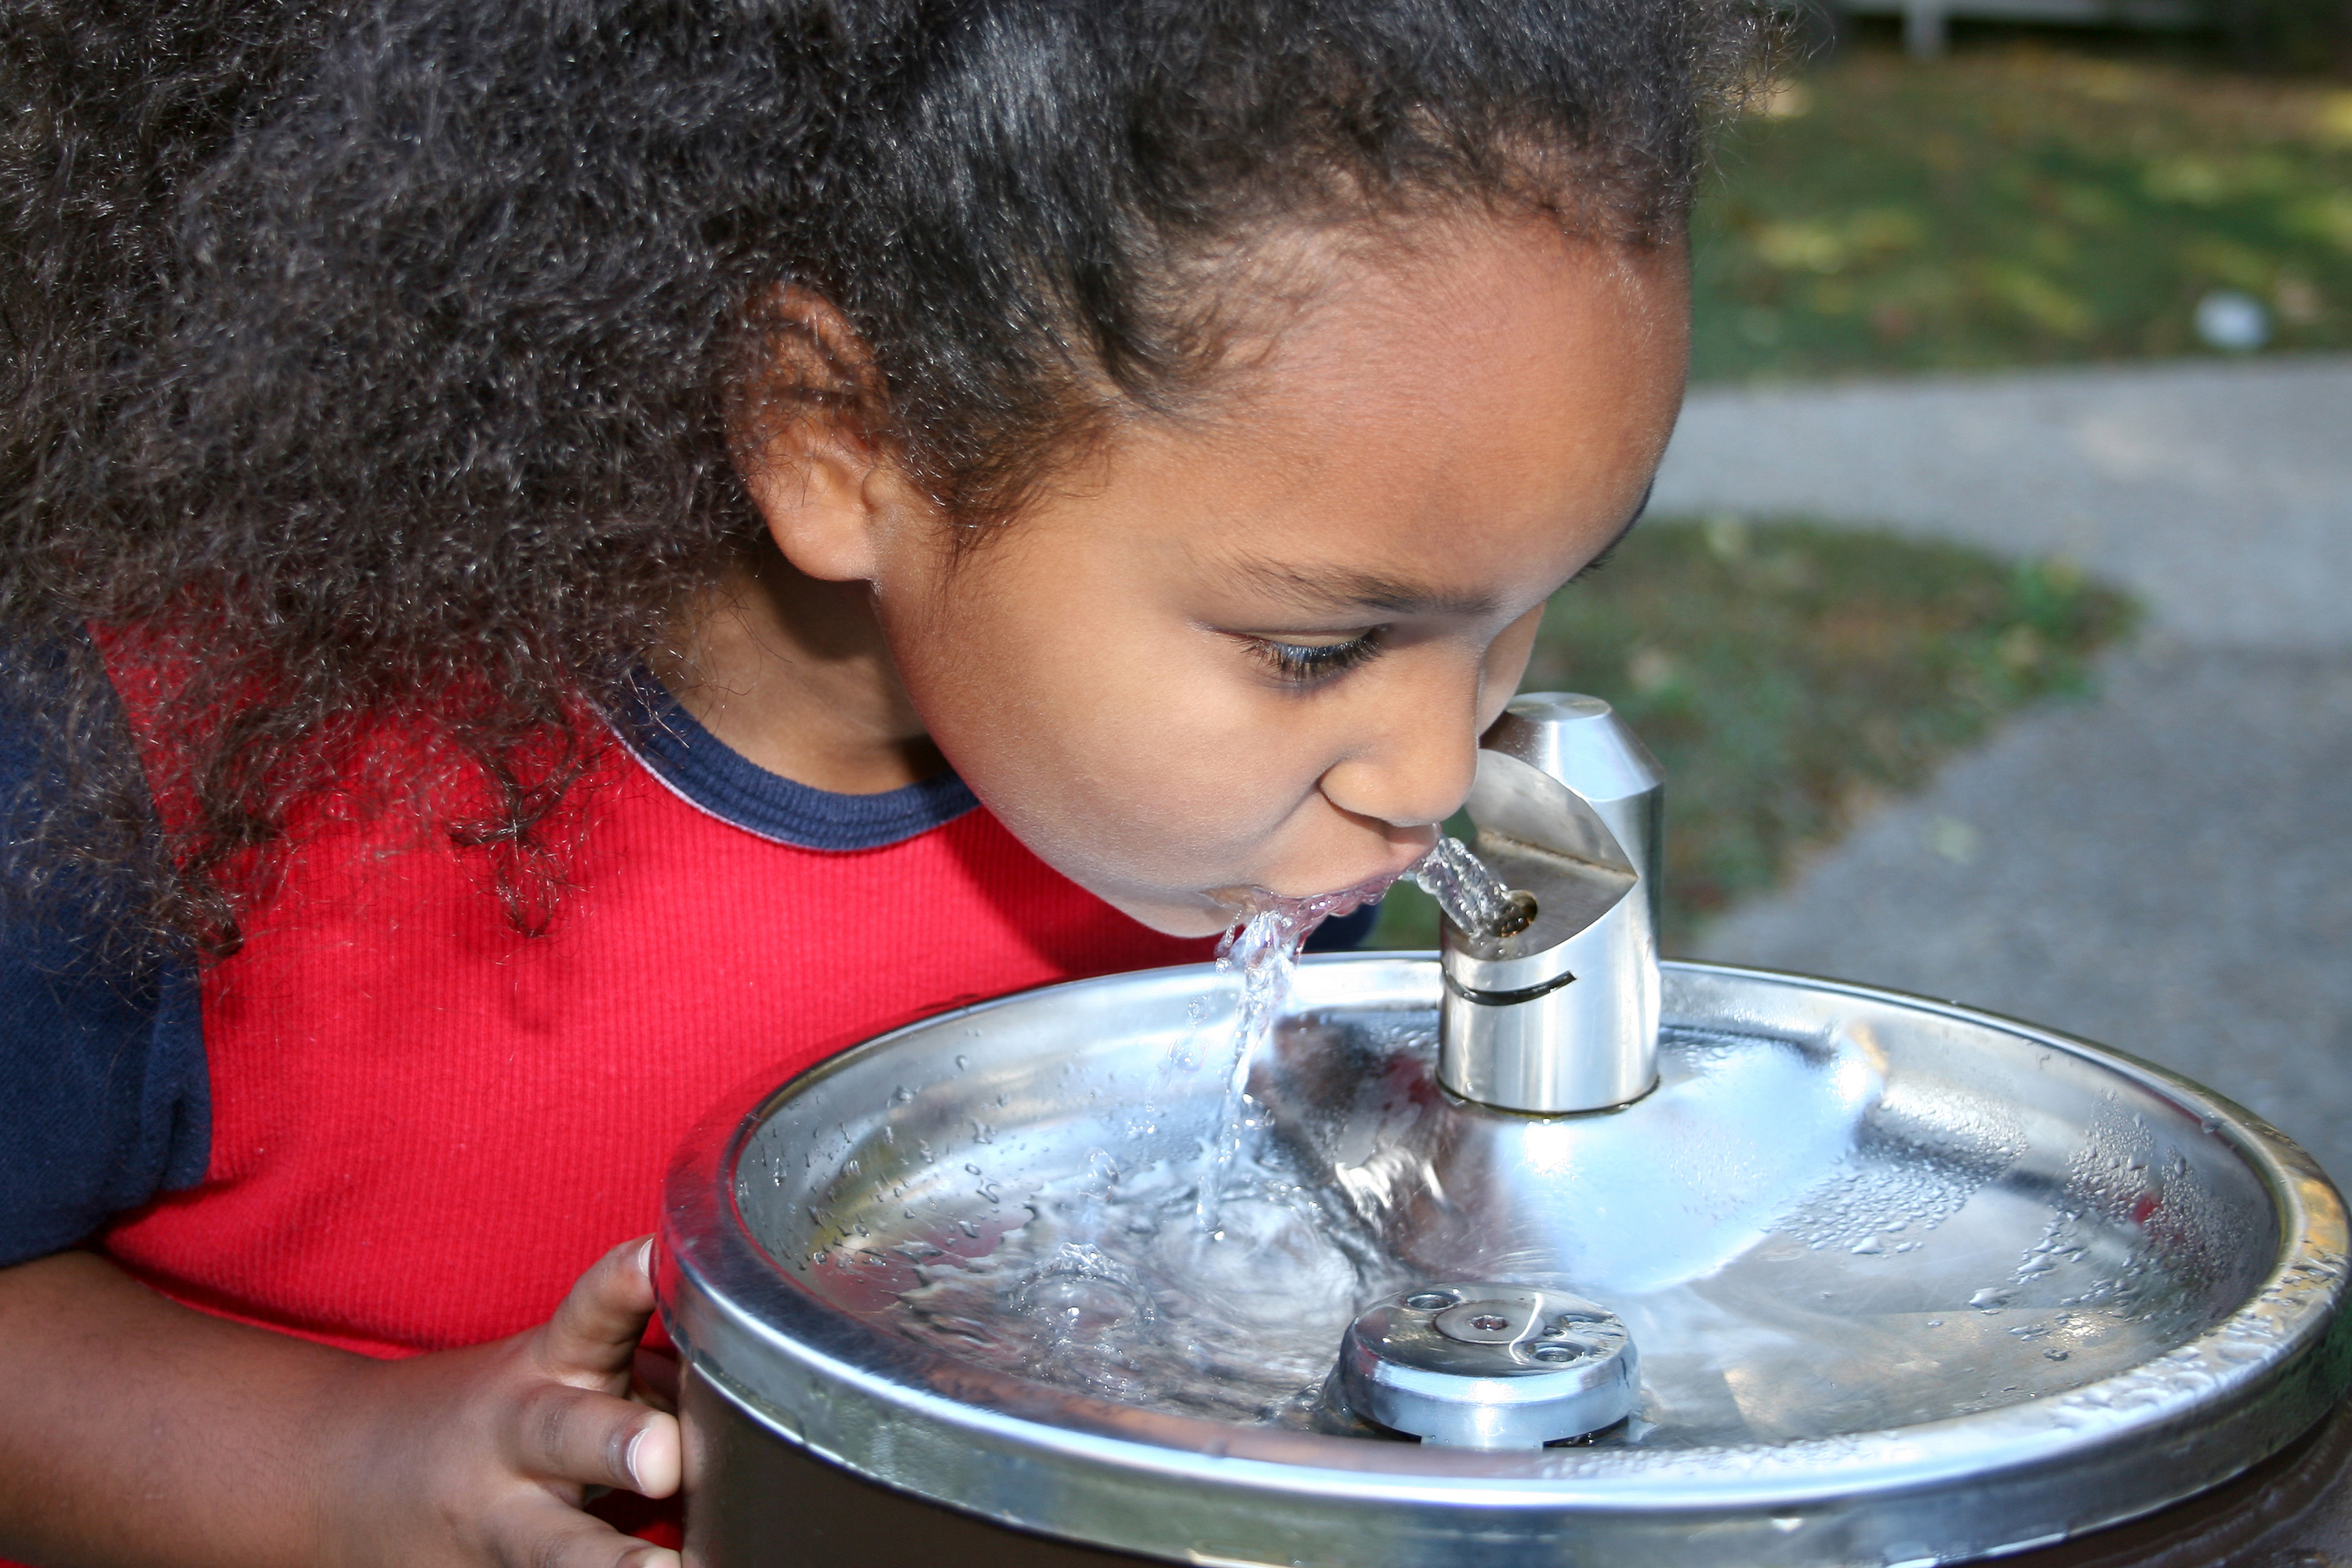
{"type": "Point", "coordinates": [1104, 1283]}
{"type": "Point", "coordinates": [1263, 950]}
{"type": "Point", "coordinates": [1476, 899]}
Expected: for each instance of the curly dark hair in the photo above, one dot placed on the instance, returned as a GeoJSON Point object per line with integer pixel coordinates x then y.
{"type": "Point", "coordinates": [376, 367]}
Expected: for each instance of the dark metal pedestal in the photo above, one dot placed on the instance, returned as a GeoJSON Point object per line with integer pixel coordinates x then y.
{"type": "Point", "coordinates": [2294, 1510]}
{"type": "Point", "coordinates": [781, 1509]}
{"type": "Point", "coordinates": [754, 1500]}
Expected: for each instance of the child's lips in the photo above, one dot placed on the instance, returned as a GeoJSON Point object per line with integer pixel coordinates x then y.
{"type": "Point", "coordinates": [1246, 901]}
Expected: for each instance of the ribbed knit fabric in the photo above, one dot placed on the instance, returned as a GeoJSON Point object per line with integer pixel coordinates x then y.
{"type": "Point", "coordinates": [425, 1124]}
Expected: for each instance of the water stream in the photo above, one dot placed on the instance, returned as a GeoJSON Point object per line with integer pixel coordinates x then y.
{"type": "Point", "coordinates": [1474, 897]}
{"type": "Point", "coordinates": [1263, 952]}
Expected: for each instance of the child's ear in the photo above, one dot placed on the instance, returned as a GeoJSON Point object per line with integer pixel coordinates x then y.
{"type": "Point", "coordinates": [828, 488]}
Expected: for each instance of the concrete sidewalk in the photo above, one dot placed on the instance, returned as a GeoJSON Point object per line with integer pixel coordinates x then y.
{"type": "Point", "coordinates": [2220, 494]}
{"type": "Point", "coordinates": [2167, 868]}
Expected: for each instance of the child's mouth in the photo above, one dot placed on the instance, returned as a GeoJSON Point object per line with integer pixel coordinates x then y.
{"type": "Point", "coordinates": [1243, 902]}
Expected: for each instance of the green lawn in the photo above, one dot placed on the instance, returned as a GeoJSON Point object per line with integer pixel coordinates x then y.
{"type": "Point", "coordinates": [1787, 674]}
{"type": "Point", "coordinates": [2018, 206]}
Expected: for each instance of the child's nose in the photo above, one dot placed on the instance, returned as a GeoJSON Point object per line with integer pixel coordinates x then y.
{"type": "Point", "coordinates": [1415, 763]}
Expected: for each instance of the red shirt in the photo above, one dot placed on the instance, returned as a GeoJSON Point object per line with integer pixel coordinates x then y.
{"type": "Point", "coordinates": [424, 1124]}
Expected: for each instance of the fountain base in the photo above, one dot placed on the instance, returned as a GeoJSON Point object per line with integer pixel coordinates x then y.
{"type": "Point", "coordinates": [1911, 1284]}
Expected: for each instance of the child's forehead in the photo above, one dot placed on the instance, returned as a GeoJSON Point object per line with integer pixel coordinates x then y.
{"type": "Point", "coordinates": [1458, 274]}
{"type": "Point", "coordinates": [1391, 461]}
{"type": "Point", "coordinates": [1511, 363]}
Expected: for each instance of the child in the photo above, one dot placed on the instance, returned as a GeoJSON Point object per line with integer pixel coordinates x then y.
{"type": "Point", "coordinates": [566, 560]}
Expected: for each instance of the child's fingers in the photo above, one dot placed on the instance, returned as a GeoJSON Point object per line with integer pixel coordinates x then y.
{"type": "Point", "coordinates": [596, 1439]}
{"type": "Point", "coordinates": [595, 1332]}
{"type": "Point", "coordinates": [541, 1531]}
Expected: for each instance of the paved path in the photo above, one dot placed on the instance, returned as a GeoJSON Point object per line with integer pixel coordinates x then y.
{"type": "Point", "coordinates": [2167, 868]}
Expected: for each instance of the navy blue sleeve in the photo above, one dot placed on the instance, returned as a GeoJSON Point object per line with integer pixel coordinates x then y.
{"type": "Point", "coordinates": [1344, 933]}
{"type": "Point", "coordinates": [104, 1101]}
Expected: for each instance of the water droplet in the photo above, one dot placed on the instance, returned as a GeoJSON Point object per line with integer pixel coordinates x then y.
{"type": "Point", "coordinates": [963, 1063]}
{"type": "Point", "coordinates": [1992, 1298]}
{"type": "Point", "coordinates": [2056, 1354]}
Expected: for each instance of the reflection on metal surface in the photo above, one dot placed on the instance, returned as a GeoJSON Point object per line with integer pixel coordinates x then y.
{"type": "Point", "coordinates": [1902, 1275]}
{"type": "Point", "coordinates": [1559, 1012]}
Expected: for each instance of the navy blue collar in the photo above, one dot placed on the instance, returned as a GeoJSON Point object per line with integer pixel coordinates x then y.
{"type": "Point", "coordinates": [703, 772]}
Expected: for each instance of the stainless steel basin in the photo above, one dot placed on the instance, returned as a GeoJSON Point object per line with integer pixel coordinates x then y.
{"type": "Point", "coordinates": [1910, 1283]}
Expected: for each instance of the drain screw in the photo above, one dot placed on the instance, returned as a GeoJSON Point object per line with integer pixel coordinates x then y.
{"type": "Point", "coordinates": [1489, 1366]}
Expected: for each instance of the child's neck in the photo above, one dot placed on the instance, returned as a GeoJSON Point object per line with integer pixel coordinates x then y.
{"type": "Point", "coordinates": [794, 674]}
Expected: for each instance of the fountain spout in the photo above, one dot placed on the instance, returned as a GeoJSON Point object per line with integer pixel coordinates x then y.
{"type": "Point", "coordinates": [1561, 1013]}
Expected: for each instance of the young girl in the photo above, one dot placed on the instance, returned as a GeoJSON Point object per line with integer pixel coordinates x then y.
{"type": "Point", "coordinates": [566, 559]}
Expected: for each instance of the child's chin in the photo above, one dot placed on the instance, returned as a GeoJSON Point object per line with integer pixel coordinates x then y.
{"type": "Point", "coordinates": [1198, 915]}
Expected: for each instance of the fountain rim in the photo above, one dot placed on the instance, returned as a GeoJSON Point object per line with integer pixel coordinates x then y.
{"type": "Point", "coordinates": [727, 1303]}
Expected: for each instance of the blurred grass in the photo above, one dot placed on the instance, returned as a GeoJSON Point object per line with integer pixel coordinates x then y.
{"type": "Point", "coordinates": [1787, 673]}
{"type": "Point", "coordinates": [2018, 206]}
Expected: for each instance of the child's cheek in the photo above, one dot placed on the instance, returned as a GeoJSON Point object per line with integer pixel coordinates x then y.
{"type": "Point", "coordinates": [1141, 764]}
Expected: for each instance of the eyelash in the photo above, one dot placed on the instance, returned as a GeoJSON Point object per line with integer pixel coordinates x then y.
{"type": "Point", "coordinates": [1598, 562]}
{"type": "Point", "coordinates": [1303, 665]}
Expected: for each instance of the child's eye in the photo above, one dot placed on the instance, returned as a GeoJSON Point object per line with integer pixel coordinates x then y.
{"type": "Point", "coordinates": [1304, 664]}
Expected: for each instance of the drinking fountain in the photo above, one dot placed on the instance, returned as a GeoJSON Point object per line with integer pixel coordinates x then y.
{"type": "Point", "coordinates": [1535, 1251]}
{"type": "Point", "coordinates": [1558, 1011]}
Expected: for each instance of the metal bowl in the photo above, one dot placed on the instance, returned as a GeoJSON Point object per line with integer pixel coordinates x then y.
{"type": "Point", "coordinates": [1910, 1283]}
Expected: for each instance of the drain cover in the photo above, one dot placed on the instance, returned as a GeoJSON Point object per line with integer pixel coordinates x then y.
{"type": "Point", "coordinates": [1489, 1366]}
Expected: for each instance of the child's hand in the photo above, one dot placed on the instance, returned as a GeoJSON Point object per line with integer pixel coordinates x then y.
{"type": "Point", "coordinates": [482, 1455]}
{"type": "Point", "coordinates": [144, 1432]}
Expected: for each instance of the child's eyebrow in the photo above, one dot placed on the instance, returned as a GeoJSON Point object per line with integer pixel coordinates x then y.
{"type": "Point", "coordinates": [1320, 588]}
{"type": "Point", "coordinates": [1340, 590]}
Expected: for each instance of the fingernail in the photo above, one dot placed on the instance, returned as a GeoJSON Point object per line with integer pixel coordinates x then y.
{"type": "Point", "coordinates": [646, 1257]}
{"type": "Point", "coordinates": [629, 1459]}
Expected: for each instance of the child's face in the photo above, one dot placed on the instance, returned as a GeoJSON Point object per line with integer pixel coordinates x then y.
{"type": "Point", "coordinates": [1257, 653]}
